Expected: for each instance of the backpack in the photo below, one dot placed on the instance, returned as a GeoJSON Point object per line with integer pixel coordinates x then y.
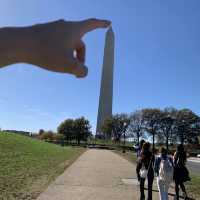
{"type": "Point", "coordinates": [166, 171]}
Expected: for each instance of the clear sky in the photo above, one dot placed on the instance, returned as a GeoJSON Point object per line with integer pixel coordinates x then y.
{"type": "Point", "coordinates": [157, 62]}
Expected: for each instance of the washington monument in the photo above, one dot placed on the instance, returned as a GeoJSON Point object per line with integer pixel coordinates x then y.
{"type": "Point", "coordinates": [106, 91]}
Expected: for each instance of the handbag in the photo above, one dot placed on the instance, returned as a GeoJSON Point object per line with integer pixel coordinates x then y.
{"type": "Point", "coordinates": [144, 171]}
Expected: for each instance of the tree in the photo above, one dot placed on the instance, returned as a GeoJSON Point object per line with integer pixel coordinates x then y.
{"type": "Point", "coordinates": [117, 125]}
{"type": "Point", "coordinates": [108, 128]}
{"type": "Point", "coordinates": [122, 122]}
{"type": "Point", "coordinates": [47, 136]}
{"type": "Point", "coordinates": [187, 126]}
{"type": "Point", "coordinates": [59, 138]}
{"type": "Point", "coordinates": [152, 117]}
{"type": "Point", "coordinates": [67, 129]}
{"type": "Point", "coordinates": [78, 129]}
{"type": "Point", "coordinates": [41, 131]}
{"type": "Point", "coordinates": [82, 129]}
{"type": "Point", "coordinates": [136, 127]}
{"type": "Point", "coordinates": [167, 125]}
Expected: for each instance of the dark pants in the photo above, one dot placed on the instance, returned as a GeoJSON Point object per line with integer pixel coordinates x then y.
{"type": "Point", "coordinates": [177, 189]}
{"type": "Point", "coordinates": [150, 183]}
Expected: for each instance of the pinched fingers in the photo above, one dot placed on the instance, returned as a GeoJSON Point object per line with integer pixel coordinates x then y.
{"type": "Point", "coordinates": [74, 66]}
{"type": "Point", "coordinates": [80, 70]}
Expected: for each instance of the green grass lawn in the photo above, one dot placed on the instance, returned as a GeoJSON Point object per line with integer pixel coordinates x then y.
{"type": "Point", "coordinates": [110, 142]}
{"type": "Point", "coordinates": [193, 187]}
{"type": "Point", "coordinates": [130, 156]}
{"type": "Point", "coordinates": [27, 165]}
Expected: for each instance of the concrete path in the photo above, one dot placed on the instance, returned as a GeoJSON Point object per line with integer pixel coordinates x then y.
{"type": "Point", "coordinates": [194, 166]}
{"type": "Point", "coordinates": [96, 175]}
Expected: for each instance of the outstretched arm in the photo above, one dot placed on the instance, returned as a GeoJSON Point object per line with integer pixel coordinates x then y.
{"type": "Point", "coordinates": [55, 46]}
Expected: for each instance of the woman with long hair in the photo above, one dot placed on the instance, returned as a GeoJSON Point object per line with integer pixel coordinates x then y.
{"type": "Point", "coordinates": [145, 170]}
{"type": "Point", "coordinates": [181, 173]}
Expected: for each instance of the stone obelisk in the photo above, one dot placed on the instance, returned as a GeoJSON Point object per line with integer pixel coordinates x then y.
{"type": "Point", "coordinates": [106, 91]}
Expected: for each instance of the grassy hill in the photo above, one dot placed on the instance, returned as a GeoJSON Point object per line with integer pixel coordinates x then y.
{"type": "Point", "coordinates": [27, 165]}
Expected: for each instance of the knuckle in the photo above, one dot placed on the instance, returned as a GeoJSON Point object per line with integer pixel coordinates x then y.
{"type": "Point", "coordinates": [61, 21]}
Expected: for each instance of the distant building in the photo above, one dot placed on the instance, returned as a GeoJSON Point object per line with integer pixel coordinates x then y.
{"type": "Point", "coordinates": [18, 132]}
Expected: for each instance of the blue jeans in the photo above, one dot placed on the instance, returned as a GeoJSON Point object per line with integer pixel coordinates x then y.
{"type": "Point", "coordinates": [163, 189]}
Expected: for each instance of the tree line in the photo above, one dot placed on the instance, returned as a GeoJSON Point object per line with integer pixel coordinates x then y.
{"type": "Point", "coordinates": [70, 130]}
{"type": "Point", "coordinates": [167, 126]}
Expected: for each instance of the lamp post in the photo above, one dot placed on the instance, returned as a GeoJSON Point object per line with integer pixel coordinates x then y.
{"type": "Point", "coordinates": [182, 130]}
{"type": "Point", "coordinates": [124, 151]}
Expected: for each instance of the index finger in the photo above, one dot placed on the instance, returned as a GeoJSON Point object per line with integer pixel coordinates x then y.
{"type": "Point", "coordinates": [92, 24]}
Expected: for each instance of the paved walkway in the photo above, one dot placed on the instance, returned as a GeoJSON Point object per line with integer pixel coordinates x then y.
{"type": "Point", "coordinates": [96, 175]}
{"type": "Point", "coordinates": [194, 159]}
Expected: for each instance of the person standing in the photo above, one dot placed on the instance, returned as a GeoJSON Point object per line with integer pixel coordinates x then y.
{"type": "Point", "coordinates": [145, 170]}
{"type": "Point", "coordinates": [181, 173]}
{"type": "Point", "coordinates": [164, 170]}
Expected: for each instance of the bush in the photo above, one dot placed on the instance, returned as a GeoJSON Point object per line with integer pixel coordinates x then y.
{"type": "Point", "coordinates": [47, 136]}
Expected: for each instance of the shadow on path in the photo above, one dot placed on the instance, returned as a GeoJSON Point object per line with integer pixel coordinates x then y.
{"type": "Point", "coordinates": [170, 194]}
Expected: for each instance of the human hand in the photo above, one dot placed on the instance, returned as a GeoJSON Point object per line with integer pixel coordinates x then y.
{"type": "Point", "coordinates": [57, 46]}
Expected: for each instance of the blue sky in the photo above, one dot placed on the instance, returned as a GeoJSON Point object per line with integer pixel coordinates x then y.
{"type": "Point", "coordinates": [157, 61]}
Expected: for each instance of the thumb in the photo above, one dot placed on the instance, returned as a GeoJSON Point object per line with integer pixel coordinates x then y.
{"type": "Point", "coordinates": [78, 69]}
